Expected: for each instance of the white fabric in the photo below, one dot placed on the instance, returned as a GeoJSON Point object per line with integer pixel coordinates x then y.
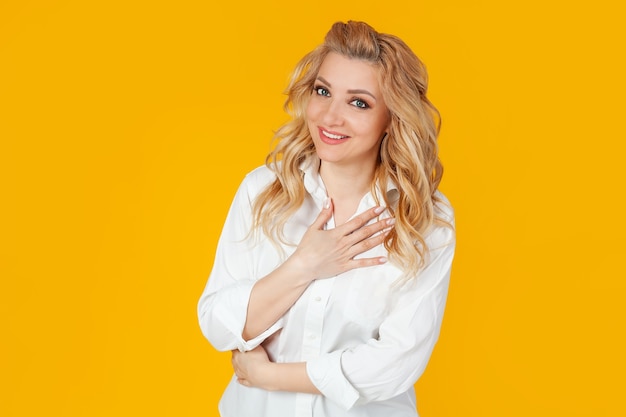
{"type": "Point", "coordinates": [364, 341]}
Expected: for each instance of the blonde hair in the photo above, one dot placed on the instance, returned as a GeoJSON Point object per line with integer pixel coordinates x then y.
{"type": "Point", "coordinates": [408, 153]}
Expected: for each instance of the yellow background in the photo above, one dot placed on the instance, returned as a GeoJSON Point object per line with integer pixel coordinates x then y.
{"type": "Point", "coordinates": [126, 127]}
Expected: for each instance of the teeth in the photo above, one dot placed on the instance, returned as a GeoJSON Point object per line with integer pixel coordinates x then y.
{"type": "Point", "coordinates": [330, 135]}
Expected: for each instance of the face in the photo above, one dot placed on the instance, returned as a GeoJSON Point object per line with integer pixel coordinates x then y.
{"type": "Point", "coordinates": [347, 116]}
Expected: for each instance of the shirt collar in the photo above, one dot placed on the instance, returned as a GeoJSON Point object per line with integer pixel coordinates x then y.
{"type": "Point", "coordinates": [314, 185]}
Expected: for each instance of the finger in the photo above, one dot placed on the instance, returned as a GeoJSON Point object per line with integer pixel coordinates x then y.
{"type": "Point", "coordinates": [361, 220]}
{"type": "Point", "coordinates": [367, 262]}
{"type": "Point", "coordinates": [324, 216]}
{"type": "Point", "coordinates": [371, 230]}
{"type": "Point", "coordinates": [367, 244]}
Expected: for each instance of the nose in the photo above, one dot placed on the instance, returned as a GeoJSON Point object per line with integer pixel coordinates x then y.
{"type": "Point", "coordinates": [332, 114]}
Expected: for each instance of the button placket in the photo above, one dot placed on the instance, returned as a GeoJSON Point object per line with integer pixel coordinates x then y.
{"type": "Point", "coordinates": [314, 318]}
{"type": "Point", "coordinates": [319, 291]}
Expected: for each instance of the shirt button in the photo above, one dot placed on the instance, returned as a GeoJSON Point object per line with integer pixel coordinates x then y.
{"type": "Point", "coordinates": [311, 336]}
{"type": "Point", "coordinates": [318, 298]}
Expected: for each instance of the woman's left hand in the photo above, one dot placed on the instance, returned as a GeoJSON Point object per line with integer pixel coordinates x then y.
{"type": "Point", "coordinates": [252, 368]}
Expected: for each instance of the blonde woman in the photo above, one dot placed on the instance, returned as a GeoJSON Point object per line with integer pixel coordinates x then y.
{"type": "Point", "coordinates": [332, 270]}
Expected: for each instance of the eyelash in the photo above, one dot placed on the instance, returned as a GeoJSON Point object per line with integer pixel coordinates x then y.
{"type": "Point", "coordinates": [318, 90]}
{"type": "Point", "coordinates": [365, 105]}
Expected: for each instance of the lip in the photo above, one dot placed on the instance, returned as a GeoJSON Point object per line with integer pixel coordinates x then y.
{"type": "Point", "coordinates": [329, 140]}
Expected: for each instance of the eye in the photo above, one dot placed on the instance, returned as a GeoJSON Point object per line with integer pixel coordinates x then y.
{"type": "Point", "coordinates": [357, 102]}
{"type": "Point", "coordinates": [321, 91]}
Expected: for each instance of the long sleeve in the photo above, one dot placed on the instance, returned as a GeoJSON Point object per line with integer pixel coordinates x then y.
{"type": "Point", "coordinates": [222, 308]}
{"type": "Point", "coordinates": [390, 364]}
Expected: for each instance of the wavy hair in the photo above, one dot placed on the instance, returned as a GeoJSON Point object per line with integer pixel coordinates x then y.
{"type": "Point", "coordinates": [408, 154]}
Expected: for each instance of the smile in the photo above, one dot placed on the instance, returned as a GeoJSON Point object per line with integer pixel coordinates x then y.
{"type": "Point", "coordinates": [329, 135]}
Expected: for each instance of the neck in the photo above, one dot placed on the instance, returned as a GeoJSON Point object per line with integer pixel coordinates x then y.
{"type": "Point", "coordinates": [346, 182]}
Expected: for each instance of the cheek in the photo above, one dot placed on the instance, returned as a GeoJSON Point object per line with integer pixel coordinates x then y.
{"type": "Point", "coordinates": [311, 111]}
{"type": "Point", "coordinates": [383, 122]}
{"type": "Point", "coordinates": [316, 108]}
{"type": "Point", "coordinates": [310, 117]}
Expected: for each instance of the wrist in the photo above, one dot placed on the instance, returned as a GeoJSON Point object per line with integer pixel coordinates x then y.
{"type": "Point", "coordinates": [290, 377]}
{"type": "Point", "coordinates": [269, 377]}
{"type": "Point", "coordinates": [299, 272]}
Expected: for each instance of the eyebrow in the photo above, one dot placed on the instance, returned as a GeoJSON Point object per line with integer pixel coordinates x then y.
{"type": "Point", "coordinates": [358, 91]}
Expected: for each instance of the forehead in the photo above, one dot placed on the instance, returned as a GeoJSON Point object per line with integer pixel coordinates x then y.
{"type": "Point", "coordinates": [343, 72]}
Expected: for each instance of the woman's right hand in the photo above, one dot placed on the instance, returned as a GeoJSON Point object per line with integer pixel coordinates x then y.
{"type": "Point", "coordinates": [320, 254]}
{"type": "Point", "coordinates": [326, 253]}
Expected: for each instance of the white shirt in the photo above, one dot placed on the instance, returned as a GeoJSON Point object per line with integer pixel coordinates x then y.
{"type": "Point", "coordinates": [364, 341]}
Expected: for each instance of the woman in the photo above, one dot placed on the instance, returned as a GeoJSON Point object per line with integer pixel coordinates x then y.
{"type": "Point", "coordinates": [331, 274]}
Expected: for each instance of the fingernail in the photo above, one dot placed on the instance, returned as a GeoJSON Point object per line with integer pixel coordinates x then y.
{"type": "Point", "coordinates": [391, 221]}
{"type": "Point", "coordinates": [327, 203]}
{"type": "Point", "coordinates": [382, 260]}
{"type": "Point", "coordinates": [379, 210]}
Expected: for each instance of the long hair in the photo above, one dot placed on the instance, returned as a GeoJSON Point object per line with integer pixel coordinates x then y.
{"type": "Point", "coordinates": [408, 153]}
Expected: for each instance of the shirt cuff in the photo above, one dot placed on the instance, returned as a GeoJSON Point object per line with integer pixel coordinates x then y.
{"type": "Point", "coordinates": [326, 374]}
{"type": "Point", "coordinates": [232, 310]}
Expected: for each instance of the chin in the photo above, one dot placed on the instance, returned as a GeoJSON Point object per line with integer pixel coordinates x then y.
{"type": "Point", "coordinates": [327, 156]}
